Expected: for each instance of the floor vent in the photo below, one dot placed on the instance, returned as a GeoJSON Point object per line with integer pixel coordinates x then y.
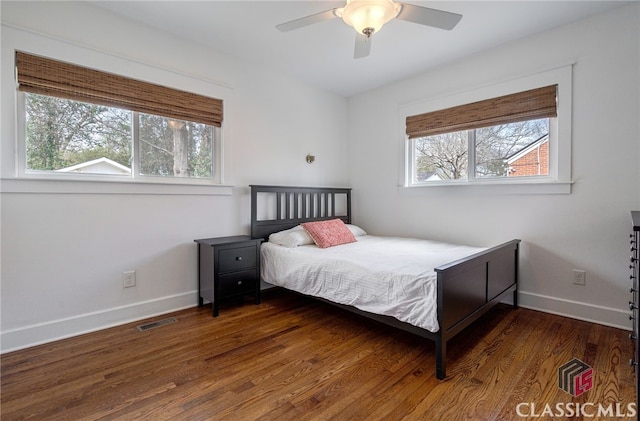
{"type": "Point", "coordinates": [153, 325]}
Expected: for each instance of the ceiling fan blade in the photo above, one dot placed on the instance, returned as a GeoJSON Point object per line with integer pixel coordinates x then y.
{"type": "Point", "coordinates": [307, 20]}
{"type": "Point", "coordinates": [363, 46]}
{"type": "Point", "coordinates": [430, 17]}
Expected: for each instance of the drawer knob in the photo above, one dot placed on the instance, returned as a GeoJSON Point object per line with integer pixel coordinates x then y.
{"type": "Point", "coordinates": [632, 363]}
{"type": "Point", "coordinates": [632, 336]}
{"type": "Point", "coordinates": [239, 282]}
{"type": "Point", "coordinates": [631, 306]}
{"type": "Point", "coordinates": [239, 258]}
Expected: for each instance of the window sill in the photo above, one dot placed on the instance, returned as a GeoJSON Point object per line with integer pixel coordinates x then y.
{"type": "Point", "coordinates": [496, 187]}
{"type": "Point", "coordinates": [51, 186]}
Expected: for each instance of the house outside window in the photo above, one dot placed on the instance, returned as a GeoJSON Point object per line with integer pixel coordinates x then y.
{"type": "Point", "coordinates": [532, 160]}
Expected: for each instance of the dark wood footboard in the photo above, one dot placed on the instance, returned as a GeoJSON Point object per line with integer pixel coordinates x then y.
{"type": "Point", "coordinates": [467, 288]}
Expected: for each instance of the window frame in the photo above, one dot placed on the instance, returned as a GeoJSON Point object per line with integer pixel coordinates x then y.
{"type": "Point", "coordinates": [559, 179]}
{"type": "Point", "coordinates": [472, 167]}
{"type": "Point", "coordinates": [13, 177]}
{"type": "Point", "coordinates": [135, 177]}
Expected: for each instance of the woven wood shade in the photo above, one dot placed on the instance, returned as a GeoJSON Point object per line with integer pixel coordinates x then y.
{"type": "Point", "coordinates": [528, 105]}
{"type": "Point", "coordinates": [45, 76]}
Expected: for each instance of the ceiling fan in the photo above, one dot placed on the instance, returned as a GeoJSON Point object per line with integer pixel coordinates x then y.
{"type": "Point", "coordinates": [368, 16]}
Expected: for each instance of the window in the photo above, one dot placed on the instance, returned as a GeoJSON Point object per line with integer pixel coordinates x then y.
{"type": "Point", "coordinates": [66, 136]}
{"type": "Point", "coordinates": [85, 122]}
{"type": "Point", "coordinates": [501, 137]}
{"type": "Point", "coordinates": [509, 137]}
{"type": "Point", "coordinates": [506, 150]}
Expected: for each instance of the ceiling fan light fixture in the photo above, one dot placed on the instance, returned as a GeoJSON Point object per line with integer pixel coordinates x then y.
{"type": "Point", "coordinates": [368, 16]}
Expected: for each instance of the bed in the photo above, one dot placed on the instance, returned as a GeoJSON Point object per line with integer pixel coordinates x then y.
{"type": "Point", "coordinates": [445, 287]}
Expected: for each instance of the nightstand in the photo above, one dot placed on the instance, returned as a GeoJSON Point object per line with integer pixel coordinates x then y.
{"type": "Point", "coordinates": [228, 267]}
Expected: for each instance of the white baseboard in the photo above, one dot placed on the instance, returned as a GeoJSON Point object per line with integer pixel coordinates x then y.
{"type": "Point", "coordinates": [36, 334]}
{"type": "Point", "coordinates": [28, 336]}
{"type": "Point", "coordinates": [607, 316]}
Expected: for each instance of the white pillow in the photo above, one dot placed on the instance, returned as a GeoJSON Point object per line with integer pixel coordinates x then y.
{"type": "Point", "coordinates": [292, 237]}
{"type": "Point", "coordinates": [356, 230]}
{"type": "Point", "coordinates": [297, 236]}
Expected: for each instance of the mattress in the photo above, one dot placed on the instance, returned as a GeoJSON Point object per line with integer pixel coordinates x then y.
{"type": "Point", "coordinates": [383, 275]}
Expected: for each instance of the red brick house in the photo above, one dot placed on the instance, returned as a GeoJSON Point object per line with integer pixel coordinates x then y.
{"type": "Point", "coordinates": [531, 160]}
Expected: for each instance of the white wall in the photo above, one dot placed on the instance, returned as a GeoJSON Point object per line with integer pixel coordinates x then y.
{"type": "Point", "coordinates": [64, 246]}
{"type": "Point", "coordinates": [587, 229]}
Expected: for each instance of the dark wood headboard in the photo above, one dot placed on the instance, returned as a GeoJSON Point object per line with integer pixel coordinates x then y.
{"type": "Point", "coordinates": [276, 208]}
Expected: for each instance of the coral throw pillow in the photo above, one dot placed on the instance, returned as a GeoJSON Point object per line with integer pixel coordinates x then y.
{"type": "Point", "coordinates": [329, 233]}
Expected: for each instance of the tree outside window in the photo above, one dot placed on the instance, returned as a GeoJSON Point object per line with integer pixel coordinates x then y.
{"type": "Point", "coordinates": [62, 133]}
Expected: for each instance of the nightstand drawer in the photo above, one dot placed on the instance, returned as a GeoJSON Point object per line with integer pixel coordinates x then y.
{"type": "Point", "coordinates": [237, 258]}
{"type": "Point", "coordinates": [237, 283]}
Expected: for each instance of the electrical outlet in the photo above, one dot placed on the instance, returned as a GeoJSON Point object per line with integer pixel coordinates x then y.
{"type": "Point", "coordinates": [579, 277]}
{"type": "Point", "coordinates": [129, 279]}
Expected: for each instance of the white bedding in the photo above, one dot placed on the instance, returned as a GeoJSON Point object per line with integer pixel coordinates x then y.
{"type": "Point", "coordinates": [382, 275]}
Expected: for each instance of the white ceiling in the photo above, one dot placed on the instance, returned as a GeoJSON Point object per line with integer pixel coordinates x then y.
{"type": "Point", "coordinates": [322, 54]}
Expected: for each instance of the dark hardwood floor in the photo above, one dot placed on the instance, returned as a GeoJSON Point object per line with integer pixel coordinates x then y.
{"type": "Point", "coordinates": [292, 358]}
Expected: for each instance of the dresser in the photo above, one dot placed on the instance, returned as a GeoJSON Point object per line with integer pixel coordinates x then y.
{"type": "Point", "coordinates": [633, 303]}
{"type": "Point", "coordinates": [228, 267]}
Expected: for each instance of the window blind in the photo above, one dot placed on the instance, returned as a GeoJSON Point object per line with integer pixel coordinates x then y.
{"type": "Point", "coordinates": [45, 76]}
{"type": "Point", "coordinates": [528, 105]}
